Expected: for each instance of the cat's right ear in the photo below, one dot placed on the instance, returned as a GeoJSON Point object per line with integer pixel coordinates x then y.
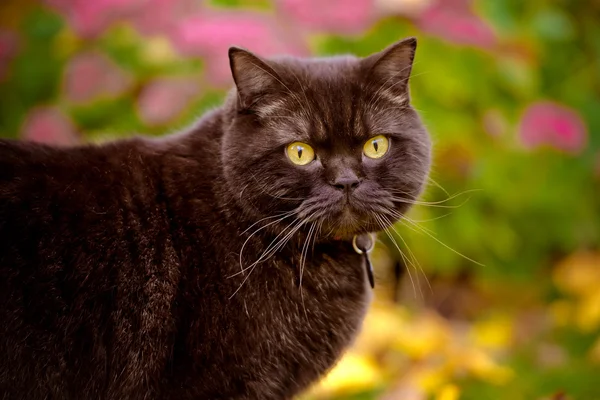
{"type": "Point", "coordinates": [253, 77]}
{"type": "Point", "coordinates": [390, 69]}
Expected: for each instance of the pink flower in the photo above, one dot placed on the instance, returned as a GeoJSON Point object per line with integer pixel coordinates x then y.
{"type": "Point", "coordinates": [210, 35]}
{"type": "Point", "coordinates": [162, 100]}
{"type": "Point", "coordinates": [90, 18]}
{"type": "Point", "coordinates": [552, 124]}
{"type": "Point", "coordinates": [8, 48]}
{"type": "Point", "coordinates": [49, 125]}
{"type": "Point", "coordinates": [453, 21]}
{"type": "Point", "coordinates": [91, 75]}
{"type": "Point", "coordinates": [409, 8]}
{"type": "Point", "coordinates": [161, 16]}
{"type": "Point", "coordinates": [335, 16]}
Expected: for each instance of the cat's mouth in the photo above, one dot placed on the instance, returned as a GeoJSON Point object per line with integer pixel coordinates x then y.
{"type": "Point", "coordinates": [350, 215]}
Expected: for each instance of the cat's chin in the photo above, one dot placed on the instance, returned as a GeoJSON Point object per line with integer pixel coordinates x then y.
{"type": "Point", "coordinates": [348, 224]}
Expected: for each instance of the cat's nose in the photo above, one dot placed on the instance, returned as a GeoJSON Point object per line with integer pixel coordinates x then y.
{"type": "Point", "coordinates": [347, 182]}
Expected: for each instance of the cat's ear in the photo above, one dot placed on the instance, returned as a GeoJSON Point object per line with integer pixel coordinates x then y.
{"type": "Point", "coordinates": [390, 69]}
{"type": "Point", "coordinates": [253, 77]}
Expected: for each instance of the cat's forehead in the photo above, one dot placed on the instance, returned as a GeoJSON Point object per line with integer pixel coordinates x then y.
{"type": "Point", "coordinates": [320, 76]}
{"type": "Point", "coordinates": [326, 101]}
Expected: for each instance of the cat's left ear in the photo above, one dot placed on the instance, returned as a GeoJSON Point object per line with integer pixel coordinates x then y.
{"type": "Point", "coordinates": [253, 77]}
{"type": "Point", "coordinates": [390, 69]}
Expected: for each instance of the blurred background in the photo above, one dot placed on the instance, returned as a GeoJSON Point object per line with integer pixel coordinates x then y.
{"type": "Point", "coordinates": [490, 289]}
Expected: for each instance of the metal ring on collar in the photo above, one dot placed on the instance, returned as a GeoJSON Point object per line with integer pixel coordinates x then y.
{"type": "Point", "coordinates": [358, 250]}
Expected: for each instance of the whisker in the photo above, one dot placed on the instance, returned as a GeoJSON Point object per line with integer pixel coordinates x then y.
{"type": "Point", "coordinates": [399, 216]}
{"type": "Point", "coordinates": [243, 189]}
{"type": "Point", "coordinates": [440, 242]}
{"type": "Point", "coordinates": [429, 219]}
{"type": "Point", "coordinates": [286, 238]}
{"type": "Point", "coordinates": [415, 260]}
{"type": "Point", "coordinates": [263, 219]}
{"type": "Point", "coordinates": [430, 203]}
{"type": "Point", "coordinates": [285, 215]}
{"type": "Point", "coordinates": [438, 185]}
{"type": "Point", "coordinates": [418, 203]}
{"type": "Point", "coordinates": [407, 262]}
{"type": "Point", "coordinates": [255, 263]}
{"type": "Point", "coordinates": [268, 249]}
{"type": "Point", "coordinates": [383, 227]}
{"type": "Point", "coordinates": [303, 255]}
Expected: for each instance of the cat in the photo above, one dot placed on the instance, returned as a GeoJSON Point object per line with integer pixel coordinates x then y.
{"type": "Point", "coordinates": [217, 262]}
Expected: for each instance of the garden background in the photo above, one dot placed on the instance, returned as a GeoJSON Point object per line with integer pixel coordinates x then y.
{"type": "Point", "coordinates": [498, 294]}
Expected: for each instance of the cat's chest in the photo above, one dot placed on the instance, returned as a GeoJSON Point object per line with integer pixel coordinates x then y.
{"type": "Point", "coordinates": [305, 314]}
{"type": "Point", "coordinates": [271, 331]}
{"type": "Point", "coordinates": [328, 285]}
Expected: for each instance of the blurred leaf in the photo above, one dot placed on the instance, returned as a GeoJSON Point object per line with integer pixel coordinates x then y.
{"type": "Point", "coordinates": [110, 114]}
{"type": "Point", "coordinates": [41, 25]}
{"type": "Point", "coordinates": [259, 4]}
{"type": "Point", "coordinates": [553, 25]}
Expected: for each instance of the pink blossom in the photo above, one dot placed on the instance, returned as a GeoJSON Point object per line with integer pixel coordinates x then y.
{"type": "Point", "coordinates": [409, 8]}
{"type": "Point", "coordinates": [552, 124]}
{"type": "Point", "coordinates": [452, 20]}
{"type": "Point", "coordinates": [163, 99]}
{"type": "Point", "coordinates": [161, 16]}
{"type": "Point", "coordinates": [90, 18]}
{"type": "Point", "coordinates": [91, 75]}
{"type": "Point", "coordinates": [456, 23]}
{"type": "Point", "coordinates": [209, 35]}
{"type": "Point", "coordinates": [8, 48]}
{"type": "Point", "coordinates": [334, 16]}
{"type": "Point", "coordinates": [49, 125]}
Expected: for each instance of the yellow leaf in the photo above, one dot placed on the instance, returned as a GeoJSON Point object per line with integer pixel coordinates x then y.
{"type": "Point", "coordinates": [495, 332]}
{"type": "Point", "coordinates": [352, 374]}
{"type": "Point", "coordinates": [382, 323]}
{"type": "Point", "coordinates": [430, 379]}
{"type": "Point", "coordinates": [579, 274]}
{"type": "Point", "coordinates": [483, 366]}
{"type": "Point", "coordinates": [423, 337]}
{"type": "Point", "coordinates": [448, 392]}
{"type": "Point", "coordinates": [588, 312]}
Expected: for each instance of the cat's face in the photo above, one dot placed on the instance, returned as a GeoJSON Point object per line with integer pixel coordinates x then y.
{"type": "Point", "coordinates": [330, 143]}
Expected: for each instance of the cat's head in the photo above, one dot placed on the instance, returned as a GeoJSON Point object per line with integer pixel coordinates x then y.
{"type": "Point", "coordinates": [330, 141]}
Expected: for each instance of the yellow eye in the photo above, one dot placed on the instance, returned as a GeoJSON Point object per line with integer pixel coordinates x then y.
{"type": "Point", "coordinates": [376, 147]}
{"type": "Point", "coordinates": [300, 153]}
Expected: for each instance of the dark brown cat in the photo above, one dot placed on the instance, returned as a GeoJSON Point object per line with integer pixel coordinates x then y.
{"type": "Point", "coordinates": [216, 263]}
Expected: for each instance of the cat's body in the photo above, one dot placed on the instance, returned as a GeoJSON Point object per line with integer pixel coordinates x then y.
{"type": "Point", "coordinates": [137, 297]}
{"type": "Point", "coordinates": [120, 267]}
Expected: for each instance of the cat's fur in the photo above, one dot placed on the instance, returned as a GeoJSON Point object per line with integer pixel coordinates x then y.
{"type": "Point", "coordinates": [120, 263]}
